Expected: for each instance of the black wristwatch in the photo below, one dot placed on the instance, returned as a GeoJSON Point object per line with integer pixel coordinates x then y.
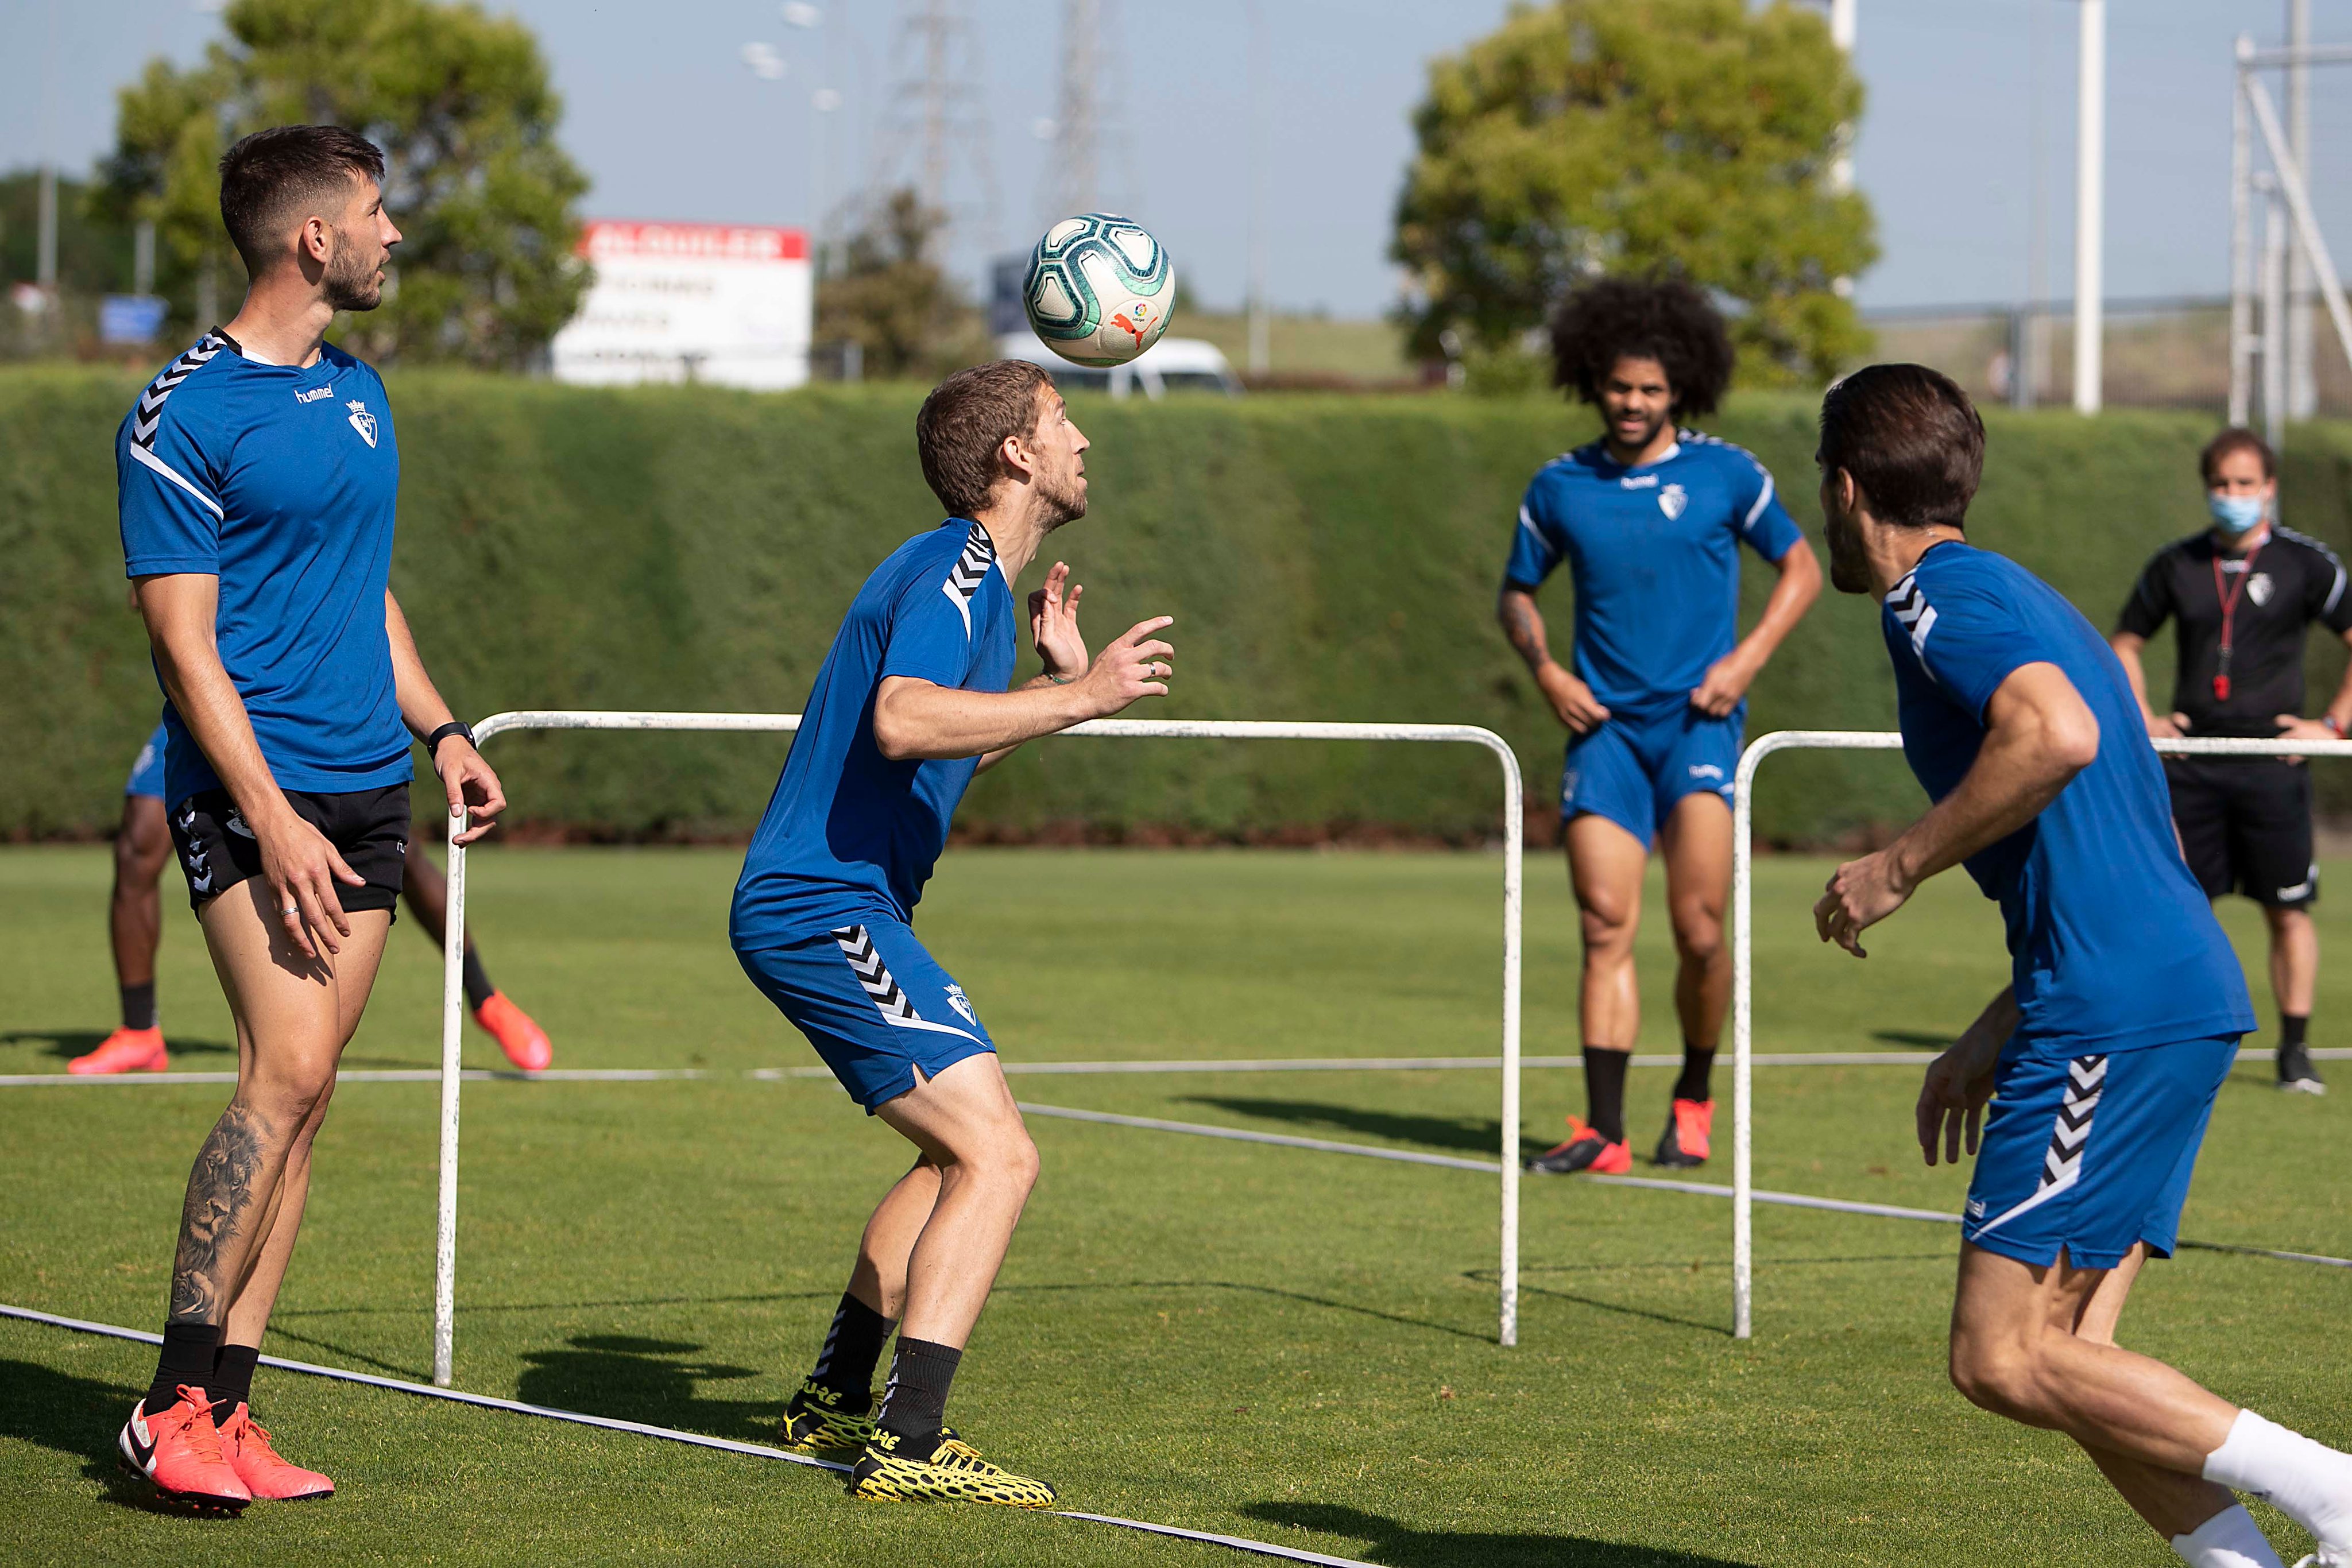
{"type": "Point", "coordinates": [454, 727]}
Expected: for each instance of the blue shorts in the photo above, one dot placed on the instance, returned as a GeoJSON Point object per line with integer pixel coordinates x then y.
{"type": "Point", "coordinates": [147, 773]}
{"type": "Point", "coordinates": [2091, 1156]}
{"type": "Point", "coordinates": [876, 1006]}
{"type": "Point", "coordinates": [1633, 770]}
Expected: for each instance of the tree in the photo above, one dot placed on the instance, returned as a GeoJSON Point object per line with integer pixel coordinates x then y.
{"type": "Point", "coordinates": [1688, 136]}
{"type": "Point", "coordinates": [460, 102]}
{"type": "Point", "coordinates": [886, 294]}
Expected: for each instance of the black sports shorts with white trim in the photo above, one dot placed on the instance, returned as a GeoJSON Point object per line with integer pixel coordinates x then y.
{"type": "Point", "coordinates": [369, 828]}
{"type": "Point", "coordinates": [2245, 827]}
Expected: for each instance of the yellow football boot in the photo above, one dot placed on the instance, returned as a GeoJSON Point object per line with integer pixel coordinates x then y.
{"type": "Point", "coordinates": [814, 1424]}
{"type": "Point", "coordinates": [952, 1472]}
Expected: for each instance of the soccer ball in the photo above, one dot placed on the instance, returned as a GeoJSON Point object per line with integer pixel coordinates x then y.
{"type": "Point", "coordinates": [1099, 288]}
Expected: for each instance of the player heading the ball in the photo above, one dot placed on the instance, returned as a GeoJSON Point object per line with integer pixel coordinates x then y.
{"type": "Point", "coordinates": [2123, 1017]}
{"type": "Point", "coordinates": [909, 704]}
{"type": "Point", "coordinates": [1649, 521]}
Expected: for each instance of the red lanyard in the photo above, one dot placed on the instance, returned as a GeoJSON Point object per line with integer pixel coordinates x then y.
{"type": "Point", "coordinates": [2229, 597]}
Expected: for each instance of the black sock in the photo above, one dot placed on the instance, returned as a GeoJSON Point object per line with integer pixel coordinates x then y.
{"type": "Point", "coordinates": [188, 1353]}
{"type": "Point", "coordinates": [916, 1404]}
{"type": "Point", "coordinates": [1698, 1064]}
{"type": "Point", "coordinates": [139, 1006]}
{"type": "Point", "coordinates": [478, 980]}
{"type": "Point", "coordinates": [2291, 1030]}
{"type": "Point", "coordinates": [231, 1383]}
{"type": "Point", "coordinates": [846, 1363]}
{"type": "Point", "coordinates": [1604, 1092]}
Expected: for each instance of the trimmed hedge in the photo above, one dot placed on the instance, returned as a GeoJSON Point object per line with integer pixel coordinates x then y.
{"type": "Point", "coordinates": [1326, 558]}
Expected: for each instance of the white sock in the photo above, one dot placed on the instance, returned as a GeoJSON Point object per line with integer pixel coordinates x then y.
{"type": "Point", "coordinates": [2309, 1482]}
{"type": "Point", "coordinates": [2230, 1539]}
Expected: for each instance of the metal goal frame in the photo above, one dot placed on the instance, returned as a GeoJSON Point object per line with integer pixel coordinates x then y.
{"type": "Point", "coordinates": [453, 1007]}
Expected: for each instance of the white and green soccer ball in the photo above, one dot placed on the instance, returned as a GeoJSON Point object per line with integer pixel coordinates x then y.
{"type": "Point", "coordinates": [1099, 288]}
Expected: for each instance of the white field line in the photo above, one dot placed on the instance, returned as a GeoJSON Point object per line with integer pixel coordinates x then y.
{"type": "Point", "coordinates": [1068, 1069]}
{"type": "Point", "coordinates": [1657, 1184]}
{"type": "Point", "coordinates": [644, 1429]}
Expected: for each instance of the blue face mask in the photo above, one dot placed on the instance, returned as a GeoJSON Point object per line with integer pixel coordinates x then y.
{"type": "Point", "coordinates": [2235, 514]}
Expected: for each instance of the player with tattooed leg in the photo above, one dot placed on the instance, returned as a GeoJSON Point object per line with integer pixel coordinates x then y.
{"type": "Point", "coordinates": [258, 477]}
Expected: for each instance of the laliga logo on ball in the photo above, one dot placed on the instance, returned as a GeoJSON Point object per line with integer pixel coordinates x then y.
{"type": "Point", "coordinates": [1099, 288]}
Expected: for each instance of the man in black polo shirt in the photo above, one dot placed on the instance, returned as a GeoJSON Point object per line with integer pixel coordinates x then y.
{"type": "Point", "coordinates": [2244, 592]}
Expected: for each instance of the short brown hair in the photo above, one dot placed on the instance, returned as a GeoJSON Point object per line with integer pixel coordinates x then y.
{"type": "Point", "coordinates": [2234, 440]}
{"type": "Point", "coordinates": [265, 177]}
{"type": "Point", "coordinates": [967, 417]}
{"type": "Point", "coordinates": [1910, 438]}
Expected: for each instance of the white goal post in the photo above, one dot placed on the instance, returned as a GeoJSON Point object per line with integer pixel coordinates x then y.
{"type": "Point", "coordinates": [1743, 952]}
{"type": "Point", "coordinates": [453, 1007]}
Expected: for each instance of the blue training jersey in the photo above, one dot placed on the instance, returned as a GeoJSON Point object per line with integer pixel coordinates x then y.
{"type": "Point", "coordinates": [282, 482]}
{"type": "Point", "coordinates": [1654, 554]}
{"type": "Point", "coordinates": [2112, 943]}
{"type": "Point", "coordinates": [848, 832]}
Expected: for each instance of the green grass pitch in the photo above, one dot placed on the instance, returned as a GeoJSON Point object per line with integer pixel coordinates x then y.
{"type": "Point", "coordinates": [1248, 1340]}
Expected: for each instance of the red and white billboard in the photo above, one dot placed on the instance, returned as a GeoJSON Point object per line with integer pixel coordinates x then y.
{"type": "Point", "coordinates": [732, 304]}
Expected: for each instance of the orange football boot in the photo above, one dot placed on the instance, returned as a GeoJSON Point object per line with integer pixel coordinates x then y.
{"type": "Point", "coordinates": [267, 1475]}
{"type": "Point", "coordinates": [1586, 1150]}
{"type": "Point", "coordinates": [180, 1452]}
{"type": "Point", "coordinates": [1687, 1131]}
{"type": "Point", "coordinates": [125, 1051]}
{"type": "Point", "coordinates": [523, 1041]}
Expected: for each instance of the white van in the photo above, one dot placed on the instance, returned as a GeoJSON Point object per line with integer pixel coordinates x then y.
{"type": "Point", "coordinates": [1172, 364]}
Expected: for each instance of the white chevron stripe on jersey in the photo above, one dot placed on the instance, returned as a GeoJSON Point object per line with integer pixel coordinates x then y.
{"type": "Point", "coordinates": [889, 997]}
{"type": "Point", "coordinates": [971, 570]}
{"type": "Point", "coordinates": [2070, 1133]}
{"type": "Point", "coordinates": [1913, 610]}
{"type": "Point", "coordinates": [149, 413]}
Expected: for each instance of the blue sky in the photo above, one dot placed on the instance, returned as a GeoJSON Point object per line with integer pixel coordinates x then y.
{"type": "Point", "coordinates": [670, 123]}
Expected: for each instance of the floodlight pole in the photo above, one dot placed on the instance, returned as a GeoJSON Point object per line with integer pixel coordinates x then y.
{"type": "Point", "coordinates": [2274, 311]}
{"type": "Point", "coordinates": [2297, 196]}
{"type": "Point", "coordinates": [2241, 244]}
{"type": "Point", "coordinates": [2090, 204]}
{"type": "Point", "coordinates": [2302, 390]}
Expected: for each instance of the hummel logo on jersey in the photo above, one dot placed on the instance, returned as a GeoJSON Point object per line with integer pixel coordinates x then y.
{"type": "Point", "coordinates": [1672, 500]}
{"type": "Point", "coordinates": [235, 824]}
{"type": "Point", "coordinates": [1976, 1209]}
{"type": "Point", "coordinates": [362, 421]}
{"type": "Point", "coordinates": [1639, 482]}
{"type": "Point", "coordinates": [969, 572]}
{"type": "Point", "coordinates": [314, 395]}
{"type": "Point", "coordinates": [1913, 610]}
{"type": "Point", "coordinates": [1705, 770]}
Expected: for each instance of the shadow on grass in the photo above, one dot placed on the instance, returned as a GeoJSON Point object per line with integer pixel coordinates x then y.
{"type": "Point", "coordinates": [1402, 1546]}
{"type": "Point", "coordinates": [650, 1380]}
{"type": "Point", "coordinates": [78, 1416]}
{"type": "Point", "coordinates": [1923, 1039]}
{"type": "Point", "coordinates": [64, 1044]}
{"type": "Point", "coordinates": [1470, 1134]}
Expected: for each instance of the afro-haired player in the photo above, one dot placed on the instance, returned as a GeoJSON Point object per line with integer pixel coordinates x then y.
{"type": "Point", "coordinates": [1649, 520]}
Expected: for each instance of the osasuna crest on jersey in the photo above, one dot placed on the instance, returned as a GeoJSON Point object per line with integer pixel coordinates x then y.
{"type": "Point", "coordinates": [2258, 587]}
{"type": "Point", "coordinates": [1672, 499]}
{"type": "Point", "coordinates": [362, 421]}
{"type": "Point", "coordinates": [961, 1003]}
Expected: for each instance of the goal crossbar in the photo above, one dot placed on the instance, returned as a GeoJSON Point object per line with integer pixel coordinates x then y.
{"type": "Point", "coordinates": [1743, 951]}
{"type": "Point", "coordinates": [453, 1010]}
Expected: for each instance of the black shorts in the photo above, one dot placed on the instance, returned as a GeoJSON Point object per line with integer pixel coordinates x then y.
{"type": "Point", "coordinates": [369, 828]}
{"type": "Point", "coordinates": [2245, 827]}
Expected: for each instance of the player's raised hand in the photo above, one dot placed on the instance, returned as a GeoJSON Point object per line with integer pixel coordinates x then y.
{"type": "Point", "coordinates": [1053, 622]}
{"type": "Point", "coordinates": [1138, 665]}
{"type": "Point", "coordinates": [1862, 894]}
{"type": "Point", "coordinates": [1571, 700]}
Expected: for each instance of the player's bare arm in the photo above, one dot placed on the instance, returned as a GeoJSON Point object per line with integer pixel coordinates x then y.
{"type": "Point", "coordinates": [916, 719]}
{"type": "Point", "coordinates": [1571, 699]}
{"type": "Point", "coordinates": [1960, 1080]}
{"type": "Point", "coordinates": [300, 866]}
{"type": "Point", "coordinates": [466, 779]}
{"type": "Point", "coordinates": [1728, 678]}
{"type": "Point", "coordinates": [2039, 734]}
